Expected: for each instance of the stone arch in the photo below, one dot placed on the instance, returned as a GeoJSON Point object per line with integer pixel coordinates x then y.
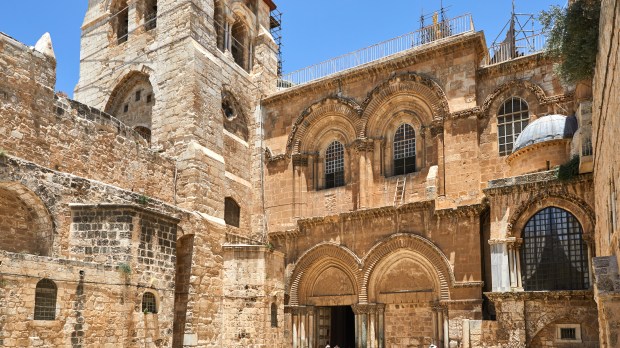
{"type": "Point", "coordinates": [560, 315]}
{"type": "Point", "coordinates": [25, 222]}
{"type": "Point", "coordinates": [567, 201]}
{"type": "Point", "coordinates": [420, 93]}
{"type": "Point", "coordinates": [313, 114]}
{"type": "Point", "coordinates": [132, 100]}
{"type": "Point", "coordinates": [422, 248]}
{"type": "Point", "coordinates": [317, 259]}
{"type": "Point", "coordinates": [532, 93]}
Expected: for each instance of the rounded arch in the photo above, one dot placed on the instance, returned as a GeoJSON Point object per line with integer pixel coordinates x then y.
{"type": "Point", "coordinates": [317, 259]}
{"type": "Point", "coordinates": [532, 93]}
{"type": "Point", "coordinates": [234, 117]}
{"type": "Point", "coordinates": [423, 249]}
{"type": "Point", "coordinates": [314, 117]}
{"type": "Point", "coordinates": [29, 227]}
{"type": "Point", "coordinates": [150, 301]}
{"type": "Point", "coordinates": [408, 91]}
{"type": "Point", "coordinates": [564, 200]}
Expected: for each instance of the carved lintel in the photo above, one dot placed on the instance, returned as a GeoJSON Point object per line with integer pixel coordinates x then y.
{"type": "Point", "coordinates": [475, 111]}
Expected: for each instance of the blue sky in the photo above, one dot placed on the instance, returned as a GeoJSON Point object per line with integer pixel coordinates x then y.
{"type": "Point", "coordinates": [313, 31]}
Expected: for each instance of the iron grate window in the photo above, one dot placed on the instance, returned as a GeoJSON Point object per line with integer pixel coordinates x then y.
{"type": "Point", "coordinates": [554, 256]}
{"type": "Point", "coordinates": [568, 333]}
{"type": "Point", "coordinates": [334, 165]}
{"type": "Point", "coordinates": [45, 300]}
{"type": "Point", "coordinates": [149, 304]}
{"type": "Point", "coordinates": [512, 117]}
{"type": "Point", "coordinates": [404, 150]}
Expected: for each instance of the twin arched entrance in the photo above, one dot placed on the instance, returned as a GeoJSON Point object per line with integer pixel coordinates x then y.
{"type": "Point", "coordinates": [339, 299]}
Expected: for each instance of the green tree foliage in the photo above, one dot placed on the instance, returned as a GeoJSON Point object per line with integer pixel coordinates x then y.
{"type": "Point", "coordinates": [572, 36]}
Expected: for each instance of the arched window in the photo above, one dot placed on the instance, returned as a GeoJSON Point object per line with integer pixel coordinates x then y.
{"type": "Point", "coordinates": [120, 21]}
{"type": "Point", "coordinates": [144, 132]}
{"type": "Point", "coordinates": [404, 150]}
{"type": "Point", "coordinates": [274, 315]}
{"type": "Point", "coordinates": [45, 300]}
{"type": "Point", "coordinates": [149, 303]}
{"type": "Point", "coordinates": [231, 212]}
{"type": "Point", "coordinates": [239, 45]}
{"type": "Point", "coordinates": [554, 256]}
{"type": "Point", "coordinates": [334, 165]}
{"type": "Point", "coordinates": [218, 22]}
{"type": "Point", "coordinates": [512, 117]}
{"type": "Point", "coordinates": [150, 14]}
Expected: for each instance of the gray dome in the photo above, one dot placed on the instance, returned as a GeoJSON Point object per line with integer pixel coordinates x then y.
{"type": "Point", "coordinates": [546, 128]}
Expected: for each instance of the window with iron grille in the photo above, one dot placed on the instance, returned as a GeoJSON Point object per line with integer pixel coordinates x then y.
{"type": "Point", "coordinates": [568, 333]}
{"type": "Point", "coordinates": [404, 150]}
{"type": "Point", "coordinates": [553, 255]}
{"type": "Point", "coordinates": [334, 165]}
{"type": "Point", "coordinates": [122, 23]}
{"type": "Point", "coordinates": [45, 300]}
{"type": "Point", "coordinates": [512, 117]}
{"type": "Point", "coordinates": [149, 304]}
{"type": "Point", "coordinates": [274, 315]}
{"type": "Point", "coordinates": [232, 211]}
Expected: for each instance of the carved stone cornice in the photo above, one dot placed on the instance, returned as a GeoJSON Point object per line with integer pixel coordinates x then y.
{"type": "Point", "coordinates": [364, 145]}
{"type": "Point", "coordinates": [561, 295]}
{"type": "Point", "coordinates": [269, 157]}
{"type": "Point", "coordinates": [471, 210]}
{"type": "Point", "coordinates": [467, 113]}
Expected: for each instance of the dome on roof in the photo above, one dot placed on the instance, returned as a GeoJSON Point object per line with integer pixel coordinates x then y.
{"type": "Point", "coordinates": [546, 128]}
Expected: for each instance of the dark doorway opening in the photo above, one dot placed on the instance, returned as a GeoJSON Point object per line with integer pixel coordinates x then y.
{"type": "Point", "coordinates": [342, 327]}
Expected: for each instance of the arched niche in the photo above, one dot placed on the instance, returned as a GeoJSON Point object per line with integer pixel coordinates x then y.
{"type": "Point", "coordinates": [132, 102]}
{"type": "Point", "coordinates": [25, 224]}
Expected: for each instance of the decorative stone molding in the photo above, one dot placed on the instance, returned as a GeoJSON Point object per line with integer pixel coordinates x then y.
{"type": "Point", "coordinates": [467, 113]}
{"type": "Point", "coordinates": [269, 157]}
{"type": "Point", "coordinates": [300, 160]}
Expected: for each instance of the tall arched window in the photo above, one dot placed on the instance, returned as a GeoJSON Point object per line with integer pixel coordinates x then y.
{"type": "Point", "coordinates": [149, 303]}
{"type": "Point", "coordinates": [554, 256]}
{"type": "Point", "coordinates": [120, 20]}
{"type": "Point", "coordinates": [218, 22]}
{"type": "Point", "coordinates": [512, 117]}
{"type": "Point", "coordinates": [240, 45]}
{"type": "Point", "coordinates": [404, 150]}
{"type": "Point", "coordinates": [232, 211]}
{"type": "Point", "coordinates": [274, 315]}
{"type": "Point", "coordinates": [150, 14]}
{"type": "Point", "coordinates": [334, 165]}
{"type": "Point", "coordinates": [45, 300]}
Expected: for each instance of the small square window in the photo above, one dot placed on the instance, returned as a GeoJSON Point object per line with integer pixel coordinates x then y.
{"type": "Point", "coordinates": [126, 108]}
{"type": "Point", "coordinates": [149, 98]}
{"type": "Point", "coordinates": [568, 333]}
{"type": "Point", "coordinates": [138, 95]}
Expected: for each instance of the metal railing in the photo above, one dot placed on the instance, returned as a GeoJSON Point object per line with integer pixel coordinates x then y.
{"type": "Point", "coordinates": [519, 48]}
{"type": "Point", "coordinates": [431, 33]}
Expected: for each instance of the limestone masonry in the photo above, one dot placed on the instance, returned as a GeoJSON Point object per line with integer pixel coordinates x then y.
{"type": "Point", "coordinates": [192, 196]}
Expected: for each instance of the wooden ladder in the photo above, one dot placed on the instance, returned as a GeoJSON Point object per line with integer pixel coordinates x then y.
{"type": "Point", "coordinates": [399, 193]}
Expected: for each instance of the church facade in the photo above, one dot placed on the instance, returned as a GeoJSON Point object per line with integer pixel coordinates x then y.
{"type": "Point", "coordinates": [191, 196]}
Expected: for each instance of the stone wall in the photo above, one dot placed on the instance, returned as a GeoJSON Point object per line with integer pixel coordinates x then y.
{"type": "Point", "coordinates": [605, 123]}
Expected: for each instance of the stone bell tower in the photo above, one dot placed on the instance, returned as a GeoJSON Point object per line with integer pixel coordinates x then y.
{"type": "Point", "coordinates": [188, 75]}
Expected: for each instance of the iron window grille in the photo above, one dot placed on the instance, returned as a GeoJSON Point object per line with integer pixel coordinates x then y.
{"type": "Point", "coordinates": [45, 300]}
{"type": "Point", "coordinates": [513, 116]}
{"type": "Point", "coordinates": [568, 333]}
{"type": "Point", "coordinates": [553, 255]}
{"type": "Point", "coordinates": [149, 304]}
{"type": "Point", "coordinates": [334, 165]}
{"type": "Point", "coordinates": [404, 150]}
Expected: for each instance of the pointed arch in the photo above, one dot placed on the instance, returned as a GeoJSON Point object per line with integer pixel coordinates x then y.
{"type": "Point", "coordinates": [346, 109]}
{"type": "Point", "coordinates": [423, 250]}
{"type": "Point", "coordinates": [414, 92]}
{"type": "Point", "coordinates": [492, 101]}
{"type": "Point", "coordinates": [30, 228]}
{"type": "Point", "coordinates": [316, 260]}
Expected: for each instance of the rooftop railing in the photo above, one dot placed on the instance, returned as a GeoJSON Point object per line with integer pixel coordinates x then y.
{"type": "Point", "coordinates": [525, 46]}
{"type": "Point", "coordinates": [431, 33]}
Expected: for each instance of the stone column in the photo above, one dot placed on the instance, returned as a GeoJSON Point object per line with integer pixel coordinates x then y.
{"type": "Point", "coordinates": [440, 316]}
{"type": "Point", "coordinates": [500, 269]}
{"type": "Point", "coordinates": [301, 325]}
{"type": "Point", "coordinates": [518, 243]}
